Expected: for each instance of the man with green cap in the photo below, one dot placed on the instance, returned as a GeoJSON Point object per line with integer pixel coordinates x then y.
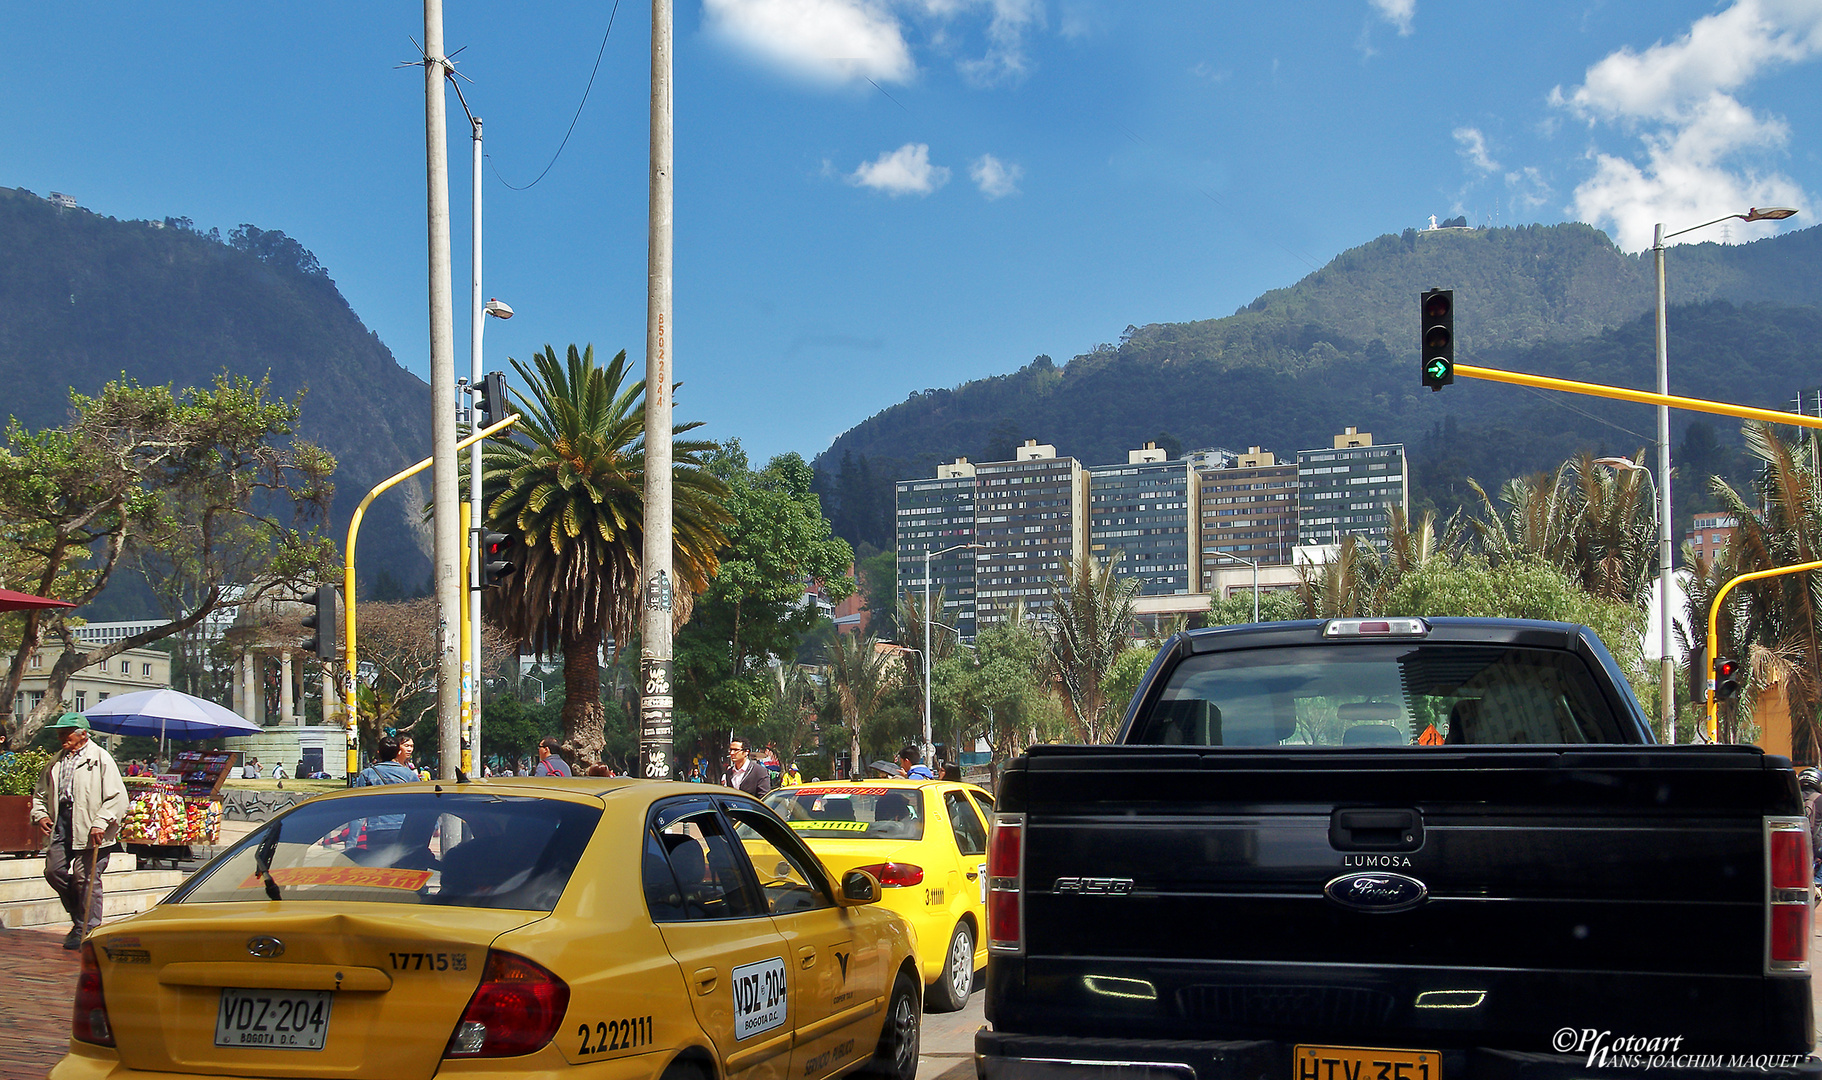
{"type": "Point", "coordinates": [79, 802]}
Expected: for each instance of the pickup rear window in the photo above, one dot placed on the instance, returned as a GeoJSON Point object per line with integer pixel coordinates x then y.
{"type": "Point", "coordinates": [1380, 694]}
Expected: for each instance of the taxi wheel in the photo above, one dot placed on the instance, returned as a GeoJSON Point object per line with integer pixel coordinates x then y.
{"type": "Point", "coordinates": [896, 1058]}
{"type": "Point", "coordinates": [950, 993]}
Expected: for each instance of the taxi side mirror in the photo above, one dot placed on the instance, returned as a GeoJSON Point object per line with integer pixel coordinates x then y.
{"type": "Point", "coordinates": [859, 887]}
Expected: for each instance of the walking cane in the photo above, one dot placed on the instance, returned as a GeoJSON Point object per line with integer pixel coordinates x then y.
{"type": "Point", "coordinates": [88, 885]}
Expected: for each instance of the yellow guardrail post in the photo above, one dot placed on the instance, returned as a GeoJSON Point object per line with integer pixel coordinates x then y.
{"type": "Point", "coordinates": [1714, 635]}
{"type": "Point", "coordinates": [350, 697]}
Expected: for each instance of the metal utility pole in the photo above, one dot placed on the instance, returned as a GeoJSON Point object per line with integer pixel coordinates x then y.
{"type": "Point", "coordinates": [471, 676]}
{"type": "Point", "coordinates": [445, 494]}
{"type": "Point", "coordinates": [655, 693]}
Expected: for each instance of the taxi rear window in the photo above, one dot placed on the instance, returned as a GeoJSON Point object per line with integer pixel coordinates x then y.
{"type": "Point", "coordinates": [852, 811]}
{"type": "Point", "coordinates": [466, 849]}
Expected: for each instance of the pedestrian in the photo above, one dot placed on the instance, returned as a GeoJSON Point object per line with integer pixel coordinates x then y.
{"type": "Point", "coordinates": [743, 772]}
{"type": "Point", "coordinates": [911, 767]}
{"type": "Point", "coordinates": [550, 763]}
{"type": "Point", "coordinates": [393, 766]}
{"type": "Point", "coordinates": [278, 773]}
{"type": "Point", "coordinates": [79, 802]}
{"type": "Point", "coordinates": [250, 771]}
{"type": "Point", "coordinates": [1809, 782]}
{"type": "Point", "coordinates": [792, 776]}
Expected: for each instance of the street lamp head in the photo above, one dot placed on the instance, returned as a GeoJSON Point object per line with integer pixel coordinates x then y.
{"type": "Point", "coordinates": [1768, 213]}
{"type": "Point", "coordinates": [1623, 463]}
{"type": "Point", "coordinates": [500, 309]}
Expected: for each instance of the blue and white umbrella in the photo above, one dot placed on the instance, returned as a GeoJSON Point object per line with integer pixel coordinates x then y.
{"type": "Point", "coordinates": [166, 713]}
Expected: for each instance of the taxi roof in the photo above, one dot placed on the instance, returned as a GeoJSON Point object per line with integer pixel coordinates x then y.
{"type": "Point", "coordinates": [883, 782]}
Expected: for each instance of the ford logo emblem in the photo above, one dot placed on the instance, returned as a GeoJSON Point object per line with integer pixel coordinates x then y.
{"type": "Point", "coordinates": [1376, 892]}
{"type": "Point", "coordinates": [265, 947]}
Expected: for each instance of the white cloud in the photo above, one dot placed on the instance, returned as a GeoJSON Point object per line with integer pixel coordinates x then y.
{"type": "Point", "coordinates": [1528, 187]}
{"type": "Point", "coordinates": [1704, 152]}
{"type": "Point", "coordinates": [1472, 145]}
{"type": "Point", "coordinates": [1005, 59]}
{"type": "Point", "coordinates": [905, 171]}
{"type": "Point", "coordinates": [1397, 12]}
{"type": "Point", "coordinates": [824, 40]}
{"type": "Point", "coordinates": [995, 178]}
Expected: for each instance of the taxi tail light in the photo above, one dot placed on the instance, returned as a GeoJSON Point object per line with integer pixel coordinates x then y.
{"type": "Point", "coordinates": [895, 875]}
{"type": "Point", "coordinates": [89, 1023]}
{"type": "Point", "coordinates": [1788, 874]}
{"type": "Point", "coordinates": [516, 1009]}
{"type": "Point", "coordinates": [1006, 884]}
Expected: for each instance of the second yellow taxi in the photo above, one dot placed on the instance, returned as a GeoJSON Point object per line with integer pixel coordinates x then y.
{"type": "Point", "coordinates": [926, 843]}
{"type": "Point", "coordinates": [608, 929]}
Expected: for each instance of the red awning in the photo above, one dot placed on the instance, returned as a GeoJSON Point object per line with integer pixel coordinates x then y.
{"type": "Point", "coordinates": [18, 601]}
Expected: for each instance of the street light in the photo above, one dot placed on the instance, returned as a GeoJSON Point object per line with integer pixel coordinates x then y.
{"type": "Point", "coordinates": [1626, 464]}
{"type": "Point", "coordinates": [929, 748]}
{"type": "Point", "coordinates": [1665, 524]}
{"type": "Point", "coordinates": [1251, 563]}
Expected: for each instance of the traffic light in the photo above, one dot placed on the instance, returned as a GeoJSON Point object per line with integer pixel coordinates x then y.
{"type": "Point", "coordinates": [494, 564]}
{"type": "Point", "coordinates": [1726, 679]}
{"type": "Point", "coordinates": [322, 619]}
{"type": "Point", "coordinates": [490, 399]}
{"type": "Point", "coordinates": [1438, 352]}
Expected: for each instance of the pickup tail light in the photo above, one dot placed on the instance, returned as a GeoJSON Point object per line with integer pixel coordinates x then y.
{"type": "Point", "coordinates": [1006, 884]}
{"type": "Point", "coordinates": [516, 1009]}
{"type": "Point", "coordinates": [1789, 866]}
{"type": "Point", "coordinates": [895, 875]}
{"type": "Point", "coordinates": [89, 1023]}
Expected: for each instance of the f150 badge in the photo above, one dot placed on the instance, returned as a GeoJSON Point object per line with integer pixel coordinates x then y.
{"type": "Point", "coordinates": [1094, 886]}
{"type": "Point", "coordinates": [1376, 892]}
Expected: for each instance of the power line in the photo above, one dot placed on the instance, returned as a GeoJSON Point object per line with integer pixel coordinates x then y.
{"type": "Point", "coordinates": [572, 122]}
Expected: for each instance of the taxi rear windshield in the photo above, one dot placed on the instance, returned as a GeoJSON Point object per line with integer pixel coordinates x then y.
{"type": "Point", "coordinates": [466, 849]}
{"type": "Point", "coordinates": [1380, 695]}
{"type": "Point", "coordinates": [852, 812]}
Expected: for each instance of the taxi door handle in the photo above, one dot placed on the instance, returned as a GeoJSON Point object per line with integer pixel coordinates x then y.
{"type": "Point", "coordinates": [806, 958]}
{"type": "Point", "coordinates": [706, 978]}
{"type": "Point", "coordinates": [973, 874]}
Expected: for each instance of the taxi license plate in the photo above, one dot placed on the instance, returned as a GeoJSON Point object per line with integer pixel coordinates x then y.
{"type": "Point", "coordinates": [1364, 1063]}
{"type": "Point", "coordinates": [273, 1019]}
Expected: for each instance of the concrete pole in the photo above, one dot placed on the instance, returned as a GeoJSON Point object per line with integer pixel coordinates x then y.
{"type": "Point", "coordinates": [471, 678]}
{"type": "Point", "coordinates": [655, 626]}
{"type": "Point", "coordinates": [445, 493]}
{"type": "Point", "coordinates": [1666, 666]}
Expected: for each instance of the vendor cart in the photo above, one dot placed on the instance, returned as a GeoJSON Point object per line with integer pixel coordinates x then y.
{"type": "Point", "coordinates": [170, 814]}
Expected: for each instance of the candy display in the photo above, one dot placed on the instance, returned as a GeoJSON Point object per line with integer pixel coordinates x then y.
{"type": "Point", "coordinates": [156, 813]}
{"type": "Point", "coordinates": [202, 821]}
{"type": "Point", "coordinates": [202, 770]}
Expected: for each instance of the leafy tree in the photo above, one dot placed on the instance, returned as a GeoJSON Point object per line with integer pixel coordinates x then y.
{"type": "Point", "coordinates": [207, 486]}
{"type": "Point", "coordinates": [572, 483]}
{"type": "Point", "coordinates": [878, 575]}
{"type": "Point", "coordinates": [754, 613]}
{"type": "Point", "coordinates": [1597, 524]}
{"type": "Point", "coordinates": [1092, 619]}
{"type": "Point", "coordinates": [859, 675]}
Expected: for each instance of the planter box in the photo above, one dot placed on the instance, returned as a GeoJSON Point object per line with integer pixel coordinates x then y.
{"type": "Point", "coordinates": [16, 831]}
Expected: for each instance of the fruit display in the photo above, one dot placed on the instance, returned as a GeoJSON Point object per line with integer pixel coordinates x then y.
{"type": "Point", "coordinates": [155, 814]}
{"type": "Point", "coordinates": [202, 821]}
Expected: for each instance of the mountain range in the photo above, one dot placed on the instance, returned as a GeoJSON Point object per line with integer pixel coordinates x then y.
{"type": "Point", "coordinates": [1339, 348]}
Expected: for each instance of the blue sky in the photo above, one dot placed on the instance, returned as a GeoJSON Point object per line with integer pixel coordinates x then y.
{"type": "Point", "coordinates": [879, 196]}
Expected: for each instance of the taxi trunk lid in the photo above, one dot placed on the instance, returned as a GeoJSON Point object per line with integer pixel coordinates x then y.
{"type": "Point", "coordinates": [379, 986]}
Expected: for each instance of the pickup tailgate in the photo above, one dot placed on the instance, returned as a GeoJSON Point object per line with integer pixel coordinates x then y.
{"type": "Point", "coordinates": [1204, 893]}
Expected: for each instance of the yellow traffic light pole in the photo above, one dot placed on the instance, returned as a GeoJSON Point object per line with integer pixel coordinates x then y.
{"type": "Point", "coordinates": [350, 698]}
{"type": "Point", "coordinates": [1714, 636]}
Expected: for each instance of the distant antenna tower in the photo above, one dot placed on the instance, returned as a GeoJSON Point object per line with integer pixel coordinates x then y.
{"type": "Point", "coordinates": [1726, 232]}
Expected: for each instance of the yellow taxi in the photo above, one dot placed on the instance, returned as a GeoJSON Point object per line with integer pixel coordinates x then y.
{"type": "Point", "coordinates": [925, 841]}
{"type": "Point", "coordinates": [499, 929]}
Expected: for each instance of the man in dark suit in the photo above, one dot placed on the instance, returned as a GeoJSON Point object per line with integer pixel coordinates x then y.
{"type": "Point", "coordinates": [745, 773]}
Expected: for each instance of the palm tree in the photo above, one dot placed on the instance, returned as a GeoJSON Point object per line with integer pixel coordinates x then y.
{"type": "Point", "coordinates": [858, 676]}
{"type": "Point", "coordinates": [1597, 525]}
{"type": "Point", "coordinates": [1777, 622]}
{"type": "Point", "coordinates": [1090, 626]}
{"type": "Point", "coordinates": [571, 484]}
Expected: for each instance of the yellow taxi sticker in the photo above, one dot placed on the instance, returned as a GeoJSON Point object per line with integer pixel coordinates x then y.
{"type": "Point", "coordinates": [832, 826]}
{"type": "Point", "coordinates": [370, 877]}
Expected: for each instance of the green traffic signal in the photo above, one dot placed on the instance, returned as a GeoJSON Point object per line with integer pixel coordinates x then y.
{"type": "Point", "coordinates": [1437, 360]}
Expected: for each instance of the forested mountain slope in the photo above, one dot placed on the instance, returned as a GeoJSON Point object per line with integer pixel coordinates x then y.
{"type": "Point", "coordinates": [87, 298]}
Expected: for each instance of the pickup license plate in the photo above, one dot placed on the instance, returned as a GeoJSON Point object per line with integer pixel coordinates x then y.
{"type": "Point", "coordinates": [1364, 1063]}
{"type": "Point", "coordinates": [273, 1019]}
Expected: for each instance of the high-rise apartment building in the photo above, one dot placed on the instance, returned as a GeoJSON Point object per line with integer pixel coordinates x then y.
{"type": "Point", "coordinates": [1709, 533]}
{"type": "Point", "coordinates": [933, 515]}
{"type": "Point", "coordinates": [1248, 510]}
{"type": "Point", "coordinates": [1350, 488]}
{"type": "Point", "coordinates": [1141, 509]}
{"type": "Point", "coordinates": [1031, 520]}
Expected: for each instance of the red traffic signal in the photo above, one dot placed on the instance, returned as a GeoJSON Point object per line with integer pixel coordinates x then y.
{"type": "Point", "coordinates": [1726, 679]}
{"type": "Point", "coordinates": [494, 562]}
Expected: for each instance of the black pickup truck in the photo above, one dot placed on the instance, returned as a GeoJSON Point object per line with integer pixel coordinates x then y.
{"type": "Point", "coordinates": [1397, 849]}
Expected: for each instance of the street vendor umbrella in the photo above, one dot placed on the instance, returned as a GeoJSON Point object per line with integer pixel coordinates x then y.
{"type": "Point", "coordinates": [18, 601]}
{"type": "Point", "coordinates": [166, 713]}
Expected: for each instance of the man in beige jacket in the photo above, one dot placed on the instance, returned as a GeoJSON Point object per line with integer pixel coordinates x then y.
{"type": "Point", "coordinates": [79, 803]}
